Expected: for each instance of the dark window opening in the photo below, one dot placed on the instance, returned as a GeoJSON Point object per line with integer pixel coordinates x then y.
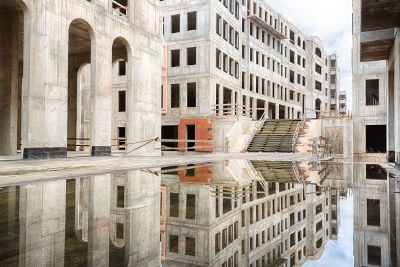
{"type": "Point", "coordinates": [175, 23]}
{"type": "Point", "coordinates": [191, 95]}
{"type": "Point", "coordinates": [190, 246]}
{"type": "Point", "coordinates": [190, 137]}
{"type": "Point", "coordinates": [372, 92]}
{"type": "Point", "coordinates": [169, 132]}
{"type": "Point", "coordinates": [191, 55]}
{"type": "Point", "coordinates": [121, 101]}
{"type": "Point", "coordinates": [175, 58]}
{"type": "Point", "coordinates": [375, 138]}
{"type": "Point", "coordinates": [173, 243]}
{"type": "Point", "coordinates": [373, 212]}
{"type": "Point", "coordinates": [174, 95]}
{"type": "Point", "coordinates": [374, 255]}
{"type": "Point", "coordinates": [318, 85]}
{"type": "Point", "coordinates": [121, 138]}
{"type": "Point", "coordinates": [120, 196]}
{"type": "Point", "coordinates": [173, 204]}
{"type": "Point", "coordinates": [190, 206]}
{"type": "Point", "coordinates": [191, 21]}
{"type": "Point", "coordinates": [318, 52]}
{"type": "Point", "coordinates": [120, 231]}
{"type": "Point", "coordinates": [375, 172]}
{"type": "Point", "coordinates": [121, 68]}
{"type": "Point", "coordinates": [226, 202]}
{"type": "Point", "coordinates": [318, 68]}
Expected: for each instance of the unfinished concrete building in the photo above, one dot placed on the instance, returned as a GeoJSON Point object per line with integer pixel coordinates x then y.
{"type": "Point", "coordinates": [238, 213]}
{"type": "Point", "coordinates": [43, 48]}
{"type": "Point", "coordinates": [376, 80]}
{"type": "Point", "coordinates": [343, 102]}
{"type": "Point", "coordinates": [229, 62]}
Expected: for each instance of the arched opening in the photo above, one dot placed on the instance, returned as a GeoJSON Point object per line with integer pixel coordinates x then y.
{"type": "Point", "coordinates": [120, 81]}
{"type": "Point", "coordinates": [318, 107]}
{"type": "Point", "coordinates": [318, 52]}
{"type": "Point", "coordinates": [13, 17]}
{"type": "Point", "coordinates": [79, 55]}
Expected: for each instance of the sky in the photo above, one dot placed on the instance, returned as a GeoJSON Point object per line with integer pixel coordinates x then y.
{"type": "Point", "coordinates": [331, 21]}
{"type": "Point", "coordinates": [339, 252]}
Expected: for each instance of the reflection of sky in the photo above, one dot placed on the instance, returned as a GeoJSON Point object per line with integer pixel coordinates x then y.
{"type": "Point", "coordinates": [339, 252]}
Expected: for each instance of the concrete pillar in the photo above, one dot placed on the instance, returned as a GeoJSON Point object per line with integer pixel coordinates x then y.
{"type": "Point", "coordinates": [266, 105]}
{"type": "Point", "coordinates": [142, 248]}
{"type": "Point", "coordinates": [42, 224]}
{"type": "Point", "coordinates": [247, 104]}
{"type": "Point", "coordinates": [221, 101]}
{"type": "Point", "coordinates": [99, 220]}
{"type": "Point", "coordinates": [396, 83]}
{"type": "Point", "coordinates": [101, 96]}
{"type": "Point", "coordinates": [254, 106]}
{"type": "Point", "coordinates": [232, 102]}
{"type": "Point", "coordinates": [277, 111]}
{"type": "Point", "coordinates": [144, 119]}
{"type": "Point", "coordinates": [9, 31]}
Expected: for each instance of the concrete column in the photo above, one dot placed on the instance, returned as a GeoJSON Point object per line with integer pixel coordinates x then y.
{"type": "Point", "coordinates": [101, 96]}
{"type": "Point", "coordinates": [9, 30]}
{"type": "Point", "coordinates": [42, 224]}
{"type": "Point", "coordinates": [266, 109]}
{"type": "Point", "coordinates": [232, 102]}
{"type": "Point", "coordinates": [254, 106]}
{"type": "Point", "coordinates": [99, 220]}
{"type": "Point", "coordinates": [247, 104]}
{"type": "Point", "coordinates": [142, 247]}
{"type": "Point", "coordinates": [276, 111]}
{"type": "Point", "coordinates": [221, 101]}
{"type": "Point", "coordinates": [143, 105]}
{"type": "Point", "coordinates": [396, 83]}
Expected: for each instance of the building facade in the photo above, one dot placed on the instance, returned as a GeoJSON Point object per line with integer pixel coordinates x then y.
{"type": "Point", "coordinates": [342, 102]}
{"type": "Point", "coordinates": [376, 79]}
{"type": "Point", "coordinates": [42, 56]}
{"type": "Point", "coordinates": [230, 62]}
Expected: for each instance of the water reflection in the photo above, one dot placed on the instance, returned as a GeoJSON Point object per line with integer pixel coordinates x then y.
{"type": "Point", "coordinates": [232, 213]}
{"type": "Point", "coordinates": [90, 221]}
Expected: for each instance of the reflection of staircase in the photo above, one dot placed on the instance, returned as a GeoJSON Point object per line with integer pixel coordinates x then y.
{"type": "Point", "coordinates": [276, 136]}
{"type": "Point", "coordinates": [278, 171]}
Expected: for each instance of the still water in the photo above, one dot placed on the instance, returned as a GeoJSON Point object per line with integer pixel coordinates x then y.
{"type": "Point", "coordinates": [231, 213]}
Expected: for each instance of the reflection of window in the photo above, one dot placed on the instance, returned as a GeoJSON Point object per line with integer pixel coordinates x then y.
{"type": "Point", "coordinates": [120, 230]}
{"type": "Point", "coordinates": [373, 212]}
{"type": "Point", "coordinates": [318, 244]}
{"type": "Point", "coordinates": [120, 196]}
{"type": "Point", "coordinates": [318, 209]}
{"type": "Point", "coordinates": [173, 204]}
{"type": "Point", "coordinates": [190, 206]}
{"type": "Point", "coordinates": [318, 226]}
{"type": "Point", "coordinates": [374, 255]}
{"type": "Point", "coordinates": [217, 243]}
{"type": "Point", "coordinates": [190, 246]}
{"type": "Point", "coordinates": [375, 172]}
{"type": "Point", "coordinates": [173, 243]}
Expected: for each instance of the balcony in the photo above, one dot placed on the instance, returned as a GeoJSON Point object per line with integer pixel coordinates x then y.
{"type": "Point", "coordinates": [120, 9]}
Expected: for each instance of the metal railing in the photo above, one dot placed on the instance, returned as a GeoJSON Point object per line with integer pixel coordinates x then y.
{"type": "Point", "coordinates": [256, 129]}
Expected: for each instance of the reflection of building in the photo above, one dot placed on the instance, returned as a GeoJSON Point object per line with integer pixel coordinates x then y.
{"type": "Point", "coordinates": [246, 215]}
{"type": "Point", "coordinates": [92, 221]}
{"type": "Point", "coordinates": [342, 102]}
{"type": "Point", "coordinates": [376, 217]}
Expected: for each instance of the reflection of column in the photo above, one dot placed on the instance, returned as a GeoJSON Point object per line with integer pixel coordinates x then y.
{"type": "Point", "coordinates": [42, 224]}
{"type": "Point", "coordinates": [142, 233]}
{"type": "Point", "coordinates": [8, 82]}
{"type": "Point", "coordinates": [99, 220]}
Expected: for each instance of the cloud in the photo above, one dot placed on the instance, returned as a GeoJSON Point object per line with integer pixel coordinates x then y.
{"type": "Point", "coordinates": [331, 21]}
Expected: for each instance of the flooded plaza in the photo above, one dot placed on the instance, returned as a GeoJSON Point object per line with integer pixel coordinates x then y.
{"type": "Point", "coordinates": [227, 213]}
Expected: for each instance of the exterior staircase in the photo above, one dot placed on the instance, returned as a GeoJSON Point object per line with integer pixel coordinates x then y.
{"type": "Point", "coordinates": [276, 136]}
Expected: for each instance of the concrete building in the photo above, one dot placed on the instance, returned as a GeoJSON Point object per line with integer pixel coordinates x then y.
{"type": "Point", "coordinates": [343, 102]}
{"type": "Point", "coordinates": [229, 62]}
{"type": "Point", "coordinates": [44, 47]}
{"type": "Point", "coordinates": [335, 84]}
{"type": "Point", "coordinates": [376, 77]}
{"type": "Point", "coordinates": [235, 213]}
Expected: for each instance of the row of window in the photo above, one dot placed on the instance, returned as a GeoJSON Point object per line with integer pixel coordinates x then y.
{"type": "Point", "coordinates": [233, 7]}
{"type": "Point", "coordinates": [226, 63]}
{"type": "Point", "coordinates": [190, 205]}
{"type": "Point", "coordinates": [191, 96]}
{"type": "Point", "coordinates": [191, 57]}
{"type": "Point", "coordinates": [226, 237]}
{"type": "Point", "coordinates": [191, 24]}
{"type": "Point", "coordinates": [190, 245]}
{"type": "Point", "coordinates": [227, 31]}
{"type": "Point", "coordinates": [264, 37]}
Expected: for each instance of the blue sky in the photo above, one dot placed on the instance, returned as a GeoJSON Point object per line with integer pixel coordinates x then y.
{"type": "Point", "coordinates": [331, 21]}
{"type": "Point", "coordinates": [339, 252]}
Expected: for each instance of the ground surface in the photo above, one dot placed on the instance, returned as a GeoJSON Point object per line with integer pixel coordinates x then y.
{"type": "Point", "coordinates": [14, 172]}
